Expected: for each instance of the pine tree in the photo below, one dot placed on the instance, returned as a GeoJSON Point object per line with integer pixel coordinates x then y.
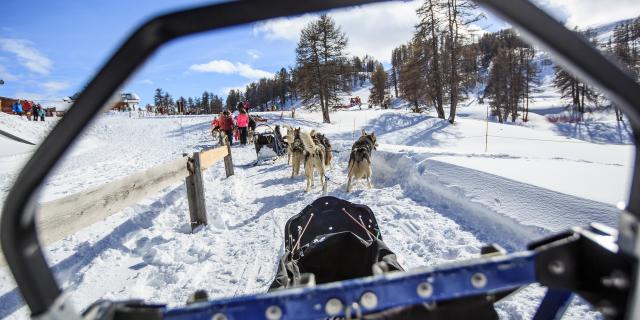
{"type": "Point", "coordinates": [233, 97]}
{"type": "Point", "coordinates": [216, 104]}
{"type": "Point", "coordinates": [411, 86]}
{"type": "Point", "coordinates": [283, 85]}
{"type": "Point", "coordinates": [321, 45]}
{"type": "Point", "coordinates": [190, 105]}
{"type": "Point", "coordinates": [167, 103]}
{"type": "Point", "coordinates": [204, 107]}
{"type": "Point", "coordinates": [157, 98]}
{"type": "Point", "coordinates": [378, 85]}
{"type": "Point", "coordinates": [395, 69]}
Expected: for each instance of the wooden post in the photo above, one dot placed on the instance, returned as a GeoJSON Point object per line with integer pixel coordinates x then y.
{"type": "Point", "coordinates": [195, 192]}
{"type": "Point", "coordinates": [228, 162]}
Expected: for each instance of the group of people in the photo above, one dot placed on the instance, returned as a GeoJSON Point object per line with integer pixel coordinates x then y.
{"type": "Point", "coordinates": [238, 127]}
{"type": "Point", "coordinates": [30, 109]}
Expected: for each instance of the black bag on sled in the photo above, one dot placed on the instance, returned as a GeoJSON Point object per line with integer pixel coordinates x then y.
{"type": "Point", "coordinates": [334, 240]}
{"type": "Point", "coordinates": [269, 144]}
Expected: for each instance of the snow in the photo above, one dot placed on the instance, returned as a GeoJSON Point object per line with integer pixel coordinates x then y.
{"type": "Point", "coordinates": [438, 196]}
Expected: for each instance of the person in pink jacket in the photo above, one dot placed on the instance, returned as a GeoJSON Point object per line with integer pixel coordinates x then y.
{"type": "Point", "coordinates": [243, 122]}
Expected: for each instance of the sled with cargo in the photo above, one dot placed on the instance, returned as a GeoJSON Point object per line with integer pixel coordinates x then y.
{"type": "Point", "coordinates": [269, 143]}
{"type": "Point", "coordinates": [335, 263]}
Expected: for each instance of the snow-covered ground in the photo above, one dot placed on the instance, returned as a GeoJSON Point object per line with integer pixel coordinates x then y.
{"type": "Point", "coordinates": [440, 192]}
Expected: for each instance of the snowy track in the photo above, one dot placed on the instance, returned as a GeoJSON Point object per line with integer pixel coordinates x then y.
{"type": "Point", "coordinates": [431, 209]}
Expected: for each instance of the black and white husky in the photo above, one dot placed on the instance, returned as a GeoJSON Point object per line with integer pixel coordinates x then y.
{"type": "Point", "coordinates": [315, 158]}
{"type": "Point", "coordinates": [360, 159]}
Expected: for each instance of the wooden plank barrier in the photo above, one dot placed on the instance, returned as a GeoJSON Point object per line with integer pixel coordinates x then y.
{"type": "Point", "coordinates": [65, 216]}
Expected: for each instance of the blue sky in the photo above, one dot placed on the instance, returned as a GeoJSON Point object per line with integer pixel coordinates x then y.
{"type": "Point", "coordinates": [49, 49]}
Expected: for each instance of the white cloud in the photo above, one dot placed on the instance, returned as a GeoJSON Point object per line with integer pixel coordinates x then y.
{"type": "Point", "coordinates": [6, 75]}
{"type": "Point", "coordinates": [225, 90]}
{"type": "Point", "coordinates": [27, 55]}
{"type": "Point", "coordinates": [146, 82]}
{"type": "Point", "coordinates": [228, 67]}
{"type": "Point", "coordinates": [53, 86]}
{"type": "Point", "coordinates": [372, 29]}
{"type": "Point", "coordinates": [254, 54]}
{"type": "Point", "coordinates": [283, 28]}
{"type": "Point", "coordinates": [587, 13]}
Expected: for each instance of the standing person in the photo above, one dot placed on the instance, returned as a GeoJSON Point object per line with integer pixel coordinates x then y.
{"type": "Point", "coordinates": [243, 123]}
{"type": "Point", "coordinates": [240, 105]}
{"type": "Point", "coordinates": [26, 108]}
{"type": "Point", "coordinates": [41, 112]}
{"type": "Point", "coordinates": [227, 125]}
{"type": "Point", "coordinates": [35, 111]}
{"type": "Point", "coordinates": [19, 108]}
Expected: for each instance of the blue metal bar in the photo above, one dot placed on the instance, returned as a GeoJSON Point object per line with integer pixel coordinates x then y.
{"type": "Point", "coordinates": [553, 305]}
{"type": "Point", "coordinates": [468, 278]}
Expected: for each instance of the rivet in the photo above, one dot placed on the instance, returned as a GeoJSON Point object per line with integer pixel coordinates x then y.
{"type": "Point", "coordinates": [273, 313]}
{"type": "Point", "coordinates": [556, 267]}
{"type": "Point", "coordinates": [425, 290]}
{"type": "Point", "coordinates": [219, 316]}
{"type": "Point", "coordinates": [333, 306]}
{"type": "Point", "coordinates": [369, 300]}
{"type": "Point", "coordinates": [478, 280]}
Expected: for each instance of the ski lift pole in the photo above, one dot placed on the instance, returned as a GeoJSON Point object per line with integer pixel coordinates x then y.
{"type": "Point", "coordinates": [486, 132]}
{"type": "Point", "coordinates": [353, 134]}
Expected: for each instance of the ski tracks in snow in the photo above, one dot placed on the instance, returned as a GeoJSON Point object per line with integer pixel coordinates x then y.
{"type": "Point", "coordinates": [148, 251]}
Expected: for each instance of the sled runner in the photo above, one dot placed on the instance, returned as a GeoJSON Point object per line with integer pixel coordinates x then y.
{"type": "Point", "coordinates": [269, 143]}
{"type": "Point", "coordinates": [596, 263]}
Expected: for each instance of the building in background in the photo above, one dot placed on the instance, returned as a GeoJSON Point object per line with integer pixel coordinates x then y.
{"type": "Point", "coordinates": [128, 102]}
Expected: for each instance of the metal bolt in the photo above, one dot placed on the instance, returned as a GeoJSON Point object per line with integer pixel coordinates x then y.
{"type": "Point", "coordinates": [333, 306]}
{"type": "Point", "coordinates": [219, 316]}
{"type": "Point", "coordinates": [369, 300]}
{"type": "Point", "coordinates": [431, 305]}
{"type": "Point", "coordinates": [607, 309]}
{"type": "Point", "coordinates": [557, 267]}
{"type": "Point", "coordinates": [478, 280]}
{"type": "Point", "coordinates": [273, 313]}
{"type": "Point", "coordinates": [425, 290]}
{"type": "Point", "coordinates": [617, 279]}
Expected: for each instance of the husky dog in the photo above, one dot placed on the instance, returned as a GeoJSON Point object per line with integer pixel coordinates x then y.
{"type": "Point", "coordinates": [360, 158]}
{"type": "Point", "coordinates": [250, 135]}
{"type": "Point", "coordinates": [321, 139]}
{"type": "Point", "coordinates": [290, 137]}
{"type": "Point", "coordinates": [219, 136]}
{"type": "Point", "coordinates": [296, 150]}
{"type": "Point", "coordinates": [314, 159]}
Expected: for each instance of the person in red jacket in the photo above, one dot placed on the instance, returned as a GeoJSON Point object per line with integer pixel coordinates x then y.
{"type": "Point", "coordinates": [26, 108]}
{"type": "Point", "coordinates": [243, 123]}
{"type": "Point", "coordinates": [227, 125]}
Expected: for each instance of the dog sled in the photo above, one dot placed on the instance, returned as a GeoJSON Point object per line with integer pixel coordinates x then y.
{"type": "Point", "coordinates": [269, 143]}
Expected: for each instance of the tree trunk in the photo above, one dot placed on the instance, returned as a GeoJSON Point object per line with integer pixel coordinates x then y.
{"type": "Point", "coordinates": [436, 68]}
{"type": "Point", "coordinates": [453, 78]}
{"type": "Point", "coordinates": [584, 88]}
